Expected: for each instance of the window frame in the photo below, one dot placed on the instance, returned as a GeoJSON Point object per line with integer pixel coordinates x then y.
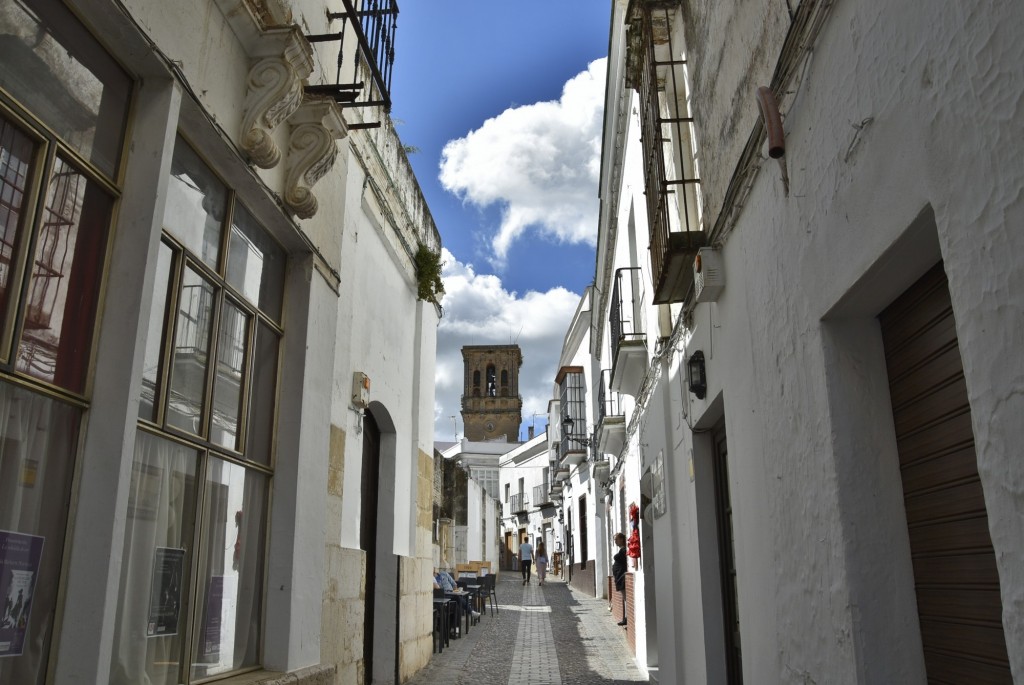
{"type": "Point", "coordinates": [12, 327]}
{"type": "Point", "coordinates": [182, 259]}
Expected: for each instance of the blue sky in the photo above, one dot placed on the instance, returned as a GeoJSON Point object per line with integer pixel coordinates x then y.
{"type": "Point", "coordinates": [502, 101]}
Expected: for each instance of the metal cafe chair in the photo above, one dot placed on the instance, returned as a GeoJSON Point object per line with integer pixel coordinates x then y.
{"type": "Point", "coordinates": [487, 591]}
{"type": "Point", "coordinates": [473, 587]}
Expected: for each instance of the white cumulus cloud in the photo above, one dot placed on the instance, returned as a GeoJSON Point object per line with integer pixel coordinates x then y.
{"type": "Point", "coordinates": [539, 163]}
{"type": "Point", "coordinates": [478, 310]}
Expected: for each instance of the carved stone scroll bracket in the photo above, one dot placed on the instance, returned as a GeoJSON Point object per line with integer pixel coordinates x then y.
{"type": "Point", "coordinates": [274, 92]}
{"type": "Point", "coordinates": [281, 59]}
{"type": "Point", "coordinates": [312, 149]}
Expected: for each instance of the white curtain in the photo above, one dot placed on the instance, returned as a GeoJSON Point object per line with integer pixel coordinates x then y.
{"type": "Point", "coordinates": [38, 440]}
{"type": "Point", "coordinates": [234, 540]}
{"type": "Point", "coordinates": [160, 520]}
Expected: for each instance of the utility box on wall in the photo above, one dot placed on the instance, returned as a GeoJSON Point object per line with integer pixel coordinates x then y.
{"type": "Point", "coordinates": [360, 390]}
{"type": "Point", "coordinates": [708, 275]}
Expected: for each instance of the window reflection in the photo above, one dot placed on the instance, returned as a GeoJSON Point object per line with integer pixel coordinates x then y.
{"type": "Point", "coordinates": [256, 264]}
{"type": "Point", "coordinates": [60, 73]}
{"type": "Point", "coordinates": [154, 336]}
{"type": "Point", "coordinates": [259, 445]}
{"type": "Point", "coordinates": [196, 204]}
{"type": "Point", "coordinates": [232, 578]}
{"type": "Point", "coordinates": [17, 152]}
{"type": "Point", "coordinates": [191, 352]}
{"type": "Point", "coordinates": [65, 279]}
{"type": "Point", "coordinates": [222, 354]}
{"type": "Point", "coordinates": [232, 342]}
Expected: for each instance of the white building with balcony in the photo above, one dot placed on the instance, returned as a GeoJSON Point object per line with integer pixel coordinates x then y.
{"type": "Point", "coordinates": [810, 210]}
{"type": "Point", "coordinates": [216, 366]}
{"type": "Point", "coordinates": [527, 513]}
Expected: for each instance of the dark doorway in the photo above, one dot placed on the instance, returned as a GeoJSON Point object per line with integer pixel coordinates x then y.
{"type": "Point", "coordinates": [727, 558]}
{"type": "Point", "coordinates": [955, 576]}
{"type": "Point", "coordinates": [368, 532]}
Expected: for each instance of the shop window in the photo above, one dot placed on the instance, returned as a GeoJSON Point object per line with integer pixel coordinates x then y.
{"type": "Point", "coordinates": [38, 441]}
{"type": "Point", "coordinates": [58, 72]}
{"type": "Point", "coordinates": [63, 113]}
{"type": "Point", "coordinates": [192, 584]}
{"type": "Point", "coordinates": [54, 223]}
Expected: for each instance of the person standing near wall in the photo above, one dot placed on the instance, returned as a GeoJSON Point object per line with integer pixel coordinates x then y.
{"type": "Point", "coordinates": [525, 559]}
{"type": "Point", "coordinates": [542, 562]}
{"type": "Point", "coordinates": [619, 572]}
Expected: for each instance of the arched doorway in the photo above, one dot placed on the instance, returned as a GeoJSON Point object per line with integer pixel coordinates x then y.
{"type": "Point", "coordinates": [376, 538]}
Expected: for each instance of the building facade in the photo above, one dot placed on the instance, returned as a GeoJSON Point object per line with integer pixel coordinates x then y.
{"type": "Point", "coordinates": [577, 459]}
{"type": "Point", "coordinates": [206, 461]}
{"type": "Point", "coordinates": [492, 407]}
{"type": "Point", "coordinates": [527, 511]}
{"type": "Point", "coordinates": [467, 508]}
{"type": "Point", "coordinates": [806, 300]}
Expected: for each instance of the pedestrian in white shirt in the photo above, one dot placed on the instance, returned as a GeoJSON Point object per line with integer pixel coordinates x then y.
{"type": "Point", "coordinates": [525, 560]}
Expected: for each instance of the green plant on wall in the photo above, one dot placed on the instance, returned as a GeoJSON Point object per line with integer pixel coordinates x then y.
{"type": "Point", "coordinates": [428, 275]}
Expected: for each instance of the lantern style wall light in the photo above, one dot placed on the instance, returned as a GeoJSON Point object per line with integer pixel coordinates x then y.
{"type": "Point", "coordinates": [696, 374]}
{"type": "Point", "coordinates": [567, 423]}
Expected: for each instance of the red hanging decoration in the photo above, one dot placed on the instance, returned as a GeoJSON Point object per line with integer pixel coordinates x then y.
{"type": "Point", "coordinates": [633, 543]}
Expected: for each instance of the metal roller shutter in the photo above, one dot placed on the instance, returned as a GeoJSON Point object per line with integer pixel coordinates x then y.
{"type": "Point", "coordinates": [955, 575]}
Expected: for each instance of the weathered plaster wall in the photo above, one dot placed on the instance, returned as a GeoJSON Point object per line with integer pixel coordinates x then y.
{"type": "Point", "coordinates": [899, 110]}
{"type": "Point", "coordinates": [731, 49]}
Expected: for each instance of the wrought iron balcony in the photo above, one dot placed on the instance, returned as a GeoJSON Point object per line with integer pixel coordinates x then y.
{"type": "Point", "coordinates": [542, 494]}
{"type": "Point", "coordinates": [366, 54]}
{"type": "Point", "coordinates": [656, 68]}
{"type": "Point", "coordinates": [611, 422]}
{"type": "Point", "coordinates": [518, 504]}
{"type": "Point", "coordinates": [626, 325]}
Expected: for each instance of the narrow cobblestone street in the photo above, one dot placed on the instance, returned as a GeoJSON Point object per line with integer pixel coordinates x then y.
{"type": "Point", "coordinates": [550, 635]}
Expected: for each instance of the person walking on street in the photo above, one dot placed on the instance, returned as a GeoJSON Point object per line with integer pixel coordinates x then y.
{"type": "Point", "coordinates": [619, 572]}
{"type": "Point", "coordinates": [525, 559]}
{"type": "Point", "coordinates": [542, 562]}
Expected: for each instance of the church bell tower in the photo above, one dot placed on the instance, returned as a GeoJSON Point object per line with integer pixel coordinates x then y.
{"type": "Point", "coordinates": [491, 405]}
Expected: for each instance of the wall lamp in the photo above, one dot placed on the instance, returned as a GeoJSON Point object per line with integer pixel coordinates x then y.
{"type": "Point", "coordinates": [696, 374]}
{"type": "Point", "coordinates": [567, 432]}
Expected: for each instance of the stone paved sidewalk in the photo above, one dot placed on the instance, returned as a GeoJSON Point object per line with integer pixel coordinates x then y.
{"type": "Point", "coordinates": [550, 635]}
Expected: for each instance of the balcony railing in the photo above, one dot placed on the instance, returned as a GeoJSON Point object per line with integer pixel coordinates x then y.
{"type": "Point", "coordinates": [366, 52]}
{"type": "Point", "coordinates": [518, 504]}
{"type": "Point", "coordinates": [611, 422]}
{"type": "Point", "coordinates": [609, 404]}
{"type": "Point", "coordinates": [626, 320]}
{"type": "Point", "coordinates": [656, 68]}
{"type": "Point", "coordinates": [541, 494]}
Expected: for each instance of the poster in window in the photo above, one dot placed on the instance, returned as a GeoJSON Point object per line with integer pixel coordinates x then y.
{"type": "Point", "coordinates": [165, 595]}
{"type": "Point", "coordinates": [19, 567]}
{"type": "Point", "coordinates": [210, 637]}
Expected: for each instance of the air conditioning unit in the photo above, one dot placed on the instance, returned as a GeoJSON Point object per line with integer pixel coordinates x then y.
{"type": "Point", "coordinates": [708, 274]}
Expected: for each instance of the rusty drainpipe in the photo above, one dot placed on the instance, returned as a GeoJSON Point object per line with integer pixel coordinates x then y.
{"type": "Point", "coordinates": [773, 127]}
